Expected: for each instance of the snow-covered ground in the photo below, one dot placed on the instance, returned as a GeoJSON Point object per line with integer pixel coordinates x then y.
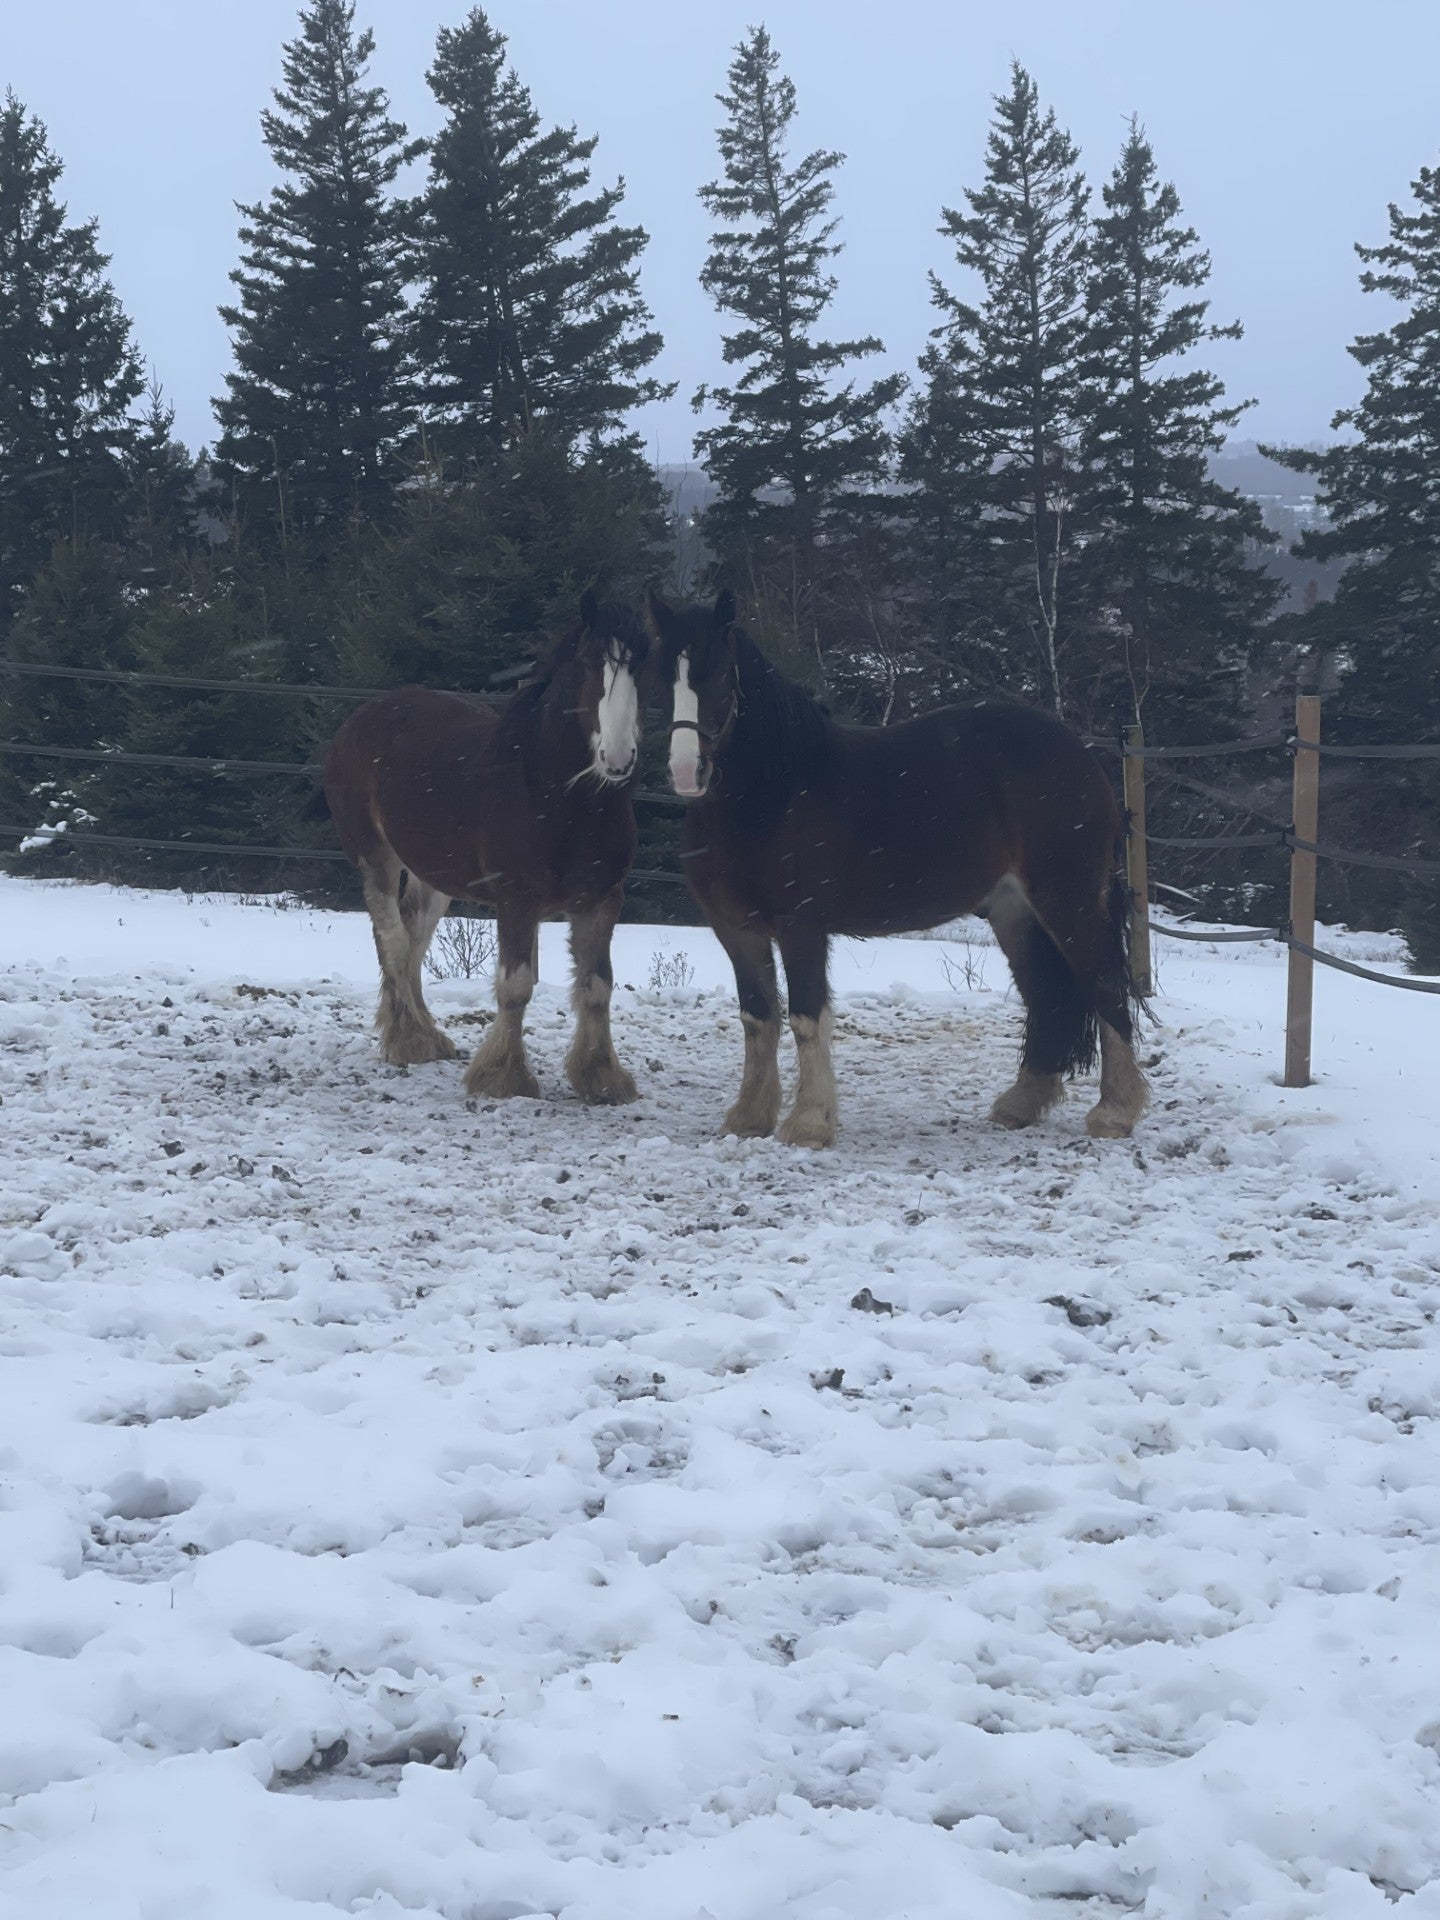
{"type": "Point", "coordinates": [525, 1510]}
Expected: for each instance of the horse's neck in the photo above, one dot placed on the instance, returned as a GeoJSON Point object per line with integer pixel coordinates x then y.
{"type": "Point", "coordinates": [548, 737]}
{"type": "Point", "coordinates": [781, 738]}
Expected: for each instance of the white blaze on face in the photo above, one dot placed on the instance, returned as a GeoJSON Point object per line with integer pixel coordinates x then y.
{"type": "Point", "coordinates": [617, 722]}
{"type": "Point", "coordinates": [684, 740]}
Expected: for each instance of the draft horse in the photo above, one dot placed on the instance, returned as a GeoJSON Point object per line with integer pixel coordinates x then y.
{"type": "Point", "coordinates": [801, 828]}
{"type": "Point", "coordinates": [526, 810]}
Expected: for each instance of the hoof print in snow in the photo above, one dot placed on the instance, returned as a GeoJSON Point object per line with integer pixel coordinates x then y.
{"type": "Point", "coordinates": [1080, 1313]}
{"type": "Point", "coordinates": [323, 1760]}
{"type": "Point", "coordinates": [424, 1747]}
{"type": "Point", "coordinates": [865, 1302]}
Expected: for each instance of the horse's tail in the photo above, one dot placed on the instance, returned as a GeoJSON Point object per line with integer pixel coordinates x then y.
{"type": "Point", "coordinates": [1119, 999]}
{"type": "Point", "coordinates": [1065, 1004]}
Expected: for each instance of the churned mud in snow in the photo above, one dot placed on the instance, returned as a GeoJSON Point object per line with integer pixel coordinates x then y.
{"type": "Point", "coordinates": [518, 1510]}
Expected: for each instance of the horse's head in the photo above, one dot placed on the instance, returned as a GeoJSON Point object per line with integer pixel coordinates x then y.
{"type": "Point", "coordinates": [695, 661]}
{"type": "Point", "coordinates": [610, 653]}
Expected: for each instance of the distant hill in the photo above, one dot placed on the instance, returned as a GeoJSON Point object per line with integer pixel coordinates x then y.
{"type": "Point", "coordinates": [1242, 466]}
{"type": "Point", "coordinates": [1286, 499]}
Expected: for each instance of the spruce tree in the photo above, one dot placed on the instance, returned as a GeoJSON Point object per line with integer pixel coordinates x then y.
{"type": "Point", "coordinates": [529, 308]}
{"type": "Point", "coordinates": [800, 447]}
{"type": "Point", "coordinates": [1172, 595]}
{"type": "Point", "coordinates": [69, 374]}
{"type": "Point", "coordinates": [1383, 510]}
{"type": "Point", "coordinates": [1003, 380]}
{"type": "Point", "coordinates": [320, 399]}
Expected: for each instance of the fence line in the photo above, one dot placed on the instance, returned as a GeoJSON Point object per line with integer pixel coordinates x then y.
{"type": "Point", "coordinates": [50, 837]}
{"type": "Point", "coordinates": [115, 676]}
{"type": "Point", "coordinates": [1385, 861]}
{"type": "Point", "coordinates": [1422, 750]}
{"type": "Point", "coordinates": [101, 755]}
{"type": "Point", "coordinates": [1230, 933]}
{"type": "Point", "coordinates": [1305, 848]}
{"type": "Point", "coordinates": [1301, 837]}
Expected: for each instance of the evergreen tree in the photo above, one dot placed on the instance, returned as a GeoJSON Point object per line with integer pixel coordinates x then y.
{"type": "Point", "coordinates": [164, 485]}
{"type": "Point", "coordinates": [1173, 598]}
{"type": "Point", "coordinates": [469, 579]}
{"type": "Point", "coordinates": [530, 309]}
{"type": "Point", "coordinates": [799, 447]}
{"type": "Point", "coordinates": [320, 399]}
{"type": "Point", "coordinates": [1383, 511]}
{"type": "Point", "coordinates": [1003, 392]}
{"type": "Point", "coordinates": [68, 371]}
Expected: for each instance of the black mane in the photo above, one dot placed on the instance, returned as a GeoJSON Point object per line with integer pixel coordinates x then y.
{"type": "Point", "coordinates": [780, 742]}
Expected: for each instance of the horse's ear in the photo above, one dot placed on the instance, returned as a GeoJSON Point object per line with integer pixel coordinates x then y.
{"type": "Point", "coordinates": [725, 608]}
{"type": "Point", "coordinates": [655, 616]}
{"type": "Point", "coordinates": [589, 610]}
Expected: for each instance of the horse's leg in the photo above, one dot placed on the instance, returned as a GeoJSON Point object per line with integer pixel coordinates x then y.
{"type": "Point", "coordinates": [591, 1065]}
{"type": "Point", "coordinates": [500, 1070]}
{"type": "Point", "coordinates": [407, 1033]}
{"type": "Point", "coordinates": [1047, 990]}
{"type": "Point", "coordinates": [811, 1121]}
{"type": "Point", "coordinates": [1085, 918]}
{"type": "Point", "coordinates": [752, 955]}
{"type": "Point", "coordinates": [421, 909]}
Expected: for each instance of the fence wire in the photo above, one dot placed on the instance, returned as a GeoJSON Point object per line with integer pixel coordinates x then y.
{"type": "Point", "coordinates": [1255, 743]}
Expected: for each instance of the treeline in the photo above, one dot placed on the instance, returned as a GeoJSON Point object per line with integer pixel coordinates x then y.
{"type": "Point", "coordinates": [426, 451]}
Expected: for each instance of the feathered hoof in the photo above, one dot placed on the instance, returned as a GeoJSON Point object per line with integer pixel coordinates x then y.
{"type": "Point", "coordinates": [601, 1081]}
{"type": "Point", "coordinates": [508, 1079]}
{"type": "Point", "coordinates": [417, 1047]}
{"type": "Point", "coordinates": [807, 1128]}
{"type": "Point", "coordinates": [1029, 1100]}
{"type": "Point", "coordinates": [1109, 1123]}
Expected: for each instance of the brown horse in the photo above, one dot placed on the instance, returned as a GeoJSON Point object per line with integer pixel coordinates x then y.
{"type": "Point", "coordinates": [437, 796]}
{"type": "Point", "coordinates": [802, 828]}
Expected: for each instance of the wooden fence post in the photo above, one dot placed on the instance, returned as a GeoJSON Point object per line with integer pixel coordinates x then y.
{"type": "Point", "coordinates": [1305, 824]}
{"type": "Point", "coordinates": [1137, 869]}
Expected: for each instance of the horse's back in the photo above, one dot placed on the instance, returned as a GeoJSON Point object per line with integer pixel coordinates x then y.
{"type": "Point", "coordinates": [903, 827]}
{"type": "Point", "coordinates": [995, 765]}
{"type": "Point", "coordinates": [404, 763]}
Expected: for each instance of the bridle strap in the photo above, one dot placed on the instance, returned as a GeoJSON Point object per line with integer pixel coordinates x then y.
{"type": "Point", "coordinates": [677, 726]}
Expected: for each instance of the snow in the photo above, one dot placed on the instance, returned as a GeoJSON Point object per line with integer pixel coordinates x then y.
{"type": "Point", "coordinates": [520, 1510]}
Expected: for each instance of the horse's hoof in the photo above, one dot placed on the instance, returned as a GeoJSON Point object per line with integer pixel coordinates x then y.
{"type": "Point", "coordinates": [807, 1130]}
{"type": "Point", "coordinates": [1108, 1123]}
{"type": "Point", "coordinates": [1029, 1100]}
{"type": "Point", "coordinates": [603, 1083]}
{"type": "Point", "coordinates": [748, 1125]}
{"type": "Point", "coordinates": [501, 1080]}
{"type": "Point", "coordinates": [417, 1049]}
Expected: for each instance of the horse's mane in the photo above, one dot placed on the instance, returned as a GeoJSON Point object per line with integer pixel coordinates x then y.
{"type": "Point", "coordinates": [783, 741]}
{"type": "Point", "coordinates": [536, 685]}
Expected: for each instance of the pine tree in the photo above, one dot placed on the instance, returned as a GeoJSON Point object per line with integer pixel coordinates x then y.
{"type": "Point", "coordinates": [799, 447]}
{"type": "Point", "coordinates": [529, 309]}
{"type": "Point", "coordinates": [1173, 597]}
{"type": "Point", "coordinates": [1003, 379]}
{"type": "Point", "coordinates": [320, 399]}
{"type": "Point", "coordinates": [69, 374]}
{"type": "Point", "coordinates": [164, 486]}
{"type": "Point", "coordinates": [1378, 492]}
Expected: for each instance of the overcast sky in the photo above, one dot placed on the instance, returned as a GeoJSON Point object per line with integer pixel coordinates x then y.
{"type": "Point", "coordinates": [1286, 125]}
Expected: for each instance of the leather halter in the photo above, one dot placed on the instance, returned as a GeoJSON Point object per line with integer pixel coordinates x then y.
{"type": "Point", "coordinates": [705, 739]}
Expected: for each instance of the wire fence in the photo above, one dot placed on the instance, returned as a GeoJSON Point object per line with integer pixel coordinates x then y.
{"type": "Point", "coordinates": [1299, 837]}
{"type": "Point", "coordinates": [219, 766]}
{"type": "Point", "coordinates": [1132, 749]}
